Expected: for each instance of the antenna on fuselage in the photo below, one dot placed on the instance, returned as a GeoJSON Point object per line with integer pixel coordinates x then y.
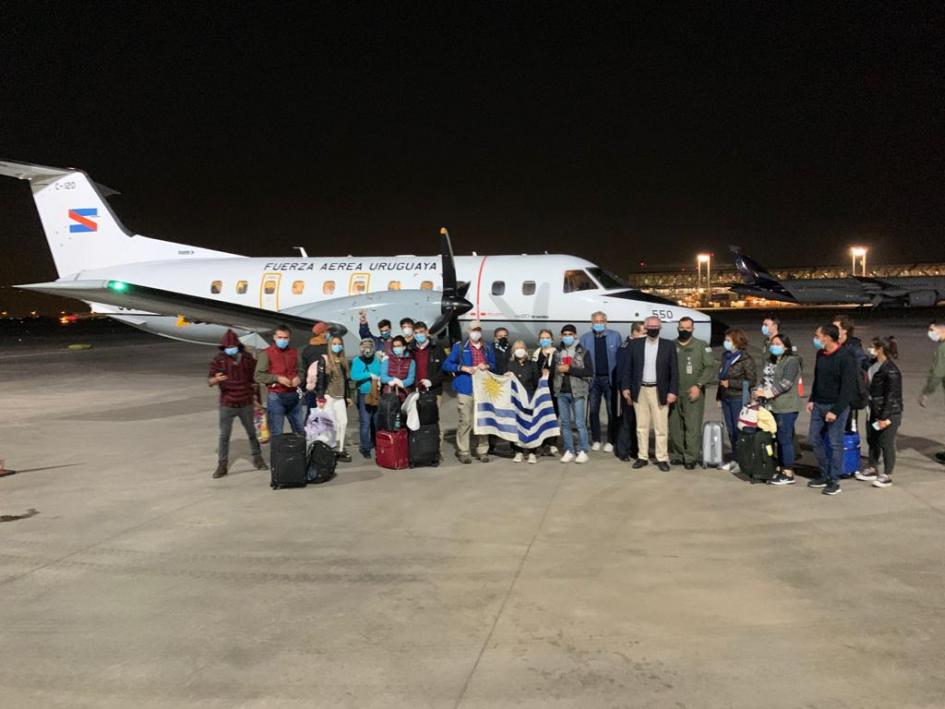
{"type": "Point", "coordinates": [301, 251]}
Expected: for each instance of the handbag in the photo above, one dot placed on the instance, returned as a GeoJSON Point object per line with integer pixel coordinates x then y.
{"type": "Point", "coordinates": [373, 397]}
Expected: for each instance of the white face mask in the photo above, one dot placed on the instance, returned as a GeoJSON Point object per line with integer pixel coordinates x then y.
{"type": "Point", "coordinates": [520, 353]}
{"type": "Point", "coordinates": [934, 336]}
{"type": "Point", "coordinates": [408, 331]}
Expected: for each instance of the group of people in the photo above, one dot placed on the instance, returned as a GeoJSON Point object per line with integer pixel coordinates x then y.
{"type": "Point", "coordinates": [649, 384]}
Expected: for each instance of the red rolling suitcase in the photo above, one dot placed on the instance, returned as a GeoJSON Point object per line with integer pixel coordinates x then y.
{"type": "Point", "coordinates": [392, 449]}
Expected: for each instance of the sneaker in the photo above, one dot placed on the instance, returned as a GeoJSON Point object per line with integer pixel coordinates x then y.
{"type": "Point", "coordinates": [866, 475]}
{"type": "Point", "coordinates": [832, 489]}
{"type": "Point", "coordinates": [727, 466]}
{"type": "Point", "coordinates": [581, 457]}
{"type": "Point", "coordinates": [689, 466]}
{"type": "Point", "coordinates": [567, 457]}
{"type": "Point", "coordinates": [608, 448]}
{"type": "Point", "coordinates": [595, 446]}
{"type": "Point", "coordinates": [343, 456]}
{"type": "Point", "coordinates": [259, 463]}
{"type": "Point", "coordinates": [518, 458]}
{"type": "Point", "coordinates": [532, 459]}
{"type": "Point", "coordinates": [221, 470]}
{"type": "Point", "coordinates": [817, 482]}
{"type": "Point", "coordinates": [465, 459]}
{"type": "Point", "coordinates": [365, 453]}
{"type": "Point", "coordinates": [731, 467]}
{"type": "Point", "coordinates": [483, 458]}
{"type": "Point", "coordinates": [782, 479]}
{"type": "Point", "coordinates": [553, 450]}
{"type": "Point", "coordinates": [882, 481]}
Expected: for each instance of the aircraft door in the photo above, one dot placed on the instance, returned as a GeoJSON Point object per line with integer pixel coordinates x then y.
{"type": "Point", "coordinates": [269, 291]}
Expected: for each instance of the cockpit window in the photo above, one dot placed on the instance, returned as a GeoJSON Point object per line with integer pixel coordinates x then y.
{"type": "Point", "coordinates": [577, 281]}
{"type": "Point", "coordinates": [607, 279]}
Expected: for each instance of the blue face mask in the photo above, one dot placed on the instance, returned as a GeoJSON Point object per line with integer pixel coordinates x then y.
{"type": "Point", "coordinates": [776, 350]}
{"type": "Point", "coordinates": [385, 334]}
{"type": "Point", "coordinates": [545, 342]}
{"type": "Point", "coordinates": [818, 345]}
{"type": "Point", "coordinates": [420, 337]}
{"type": "Point", "coordinates": [728, 345]}
{"type": "Point", "coordinates": [336, 348]}
{"type": "Point", "coordinates": [568, 340]}
{"type": "Point", "coordinates": [398, 351]}
{"type": "Point", "coordinates": [231, 351]}
{"type": "Point", "coordinates": [764, 330]}
{"type": "Point", "coordinates": [598, 327]}
{"type": "Point", "coordinates": [282, 343]}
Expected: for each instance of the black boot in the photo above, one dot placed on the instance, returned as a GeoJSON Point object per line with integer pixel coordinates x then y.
{"type": "Point", "coordinates": [259, 462]}
{"type": "Point", "coordinates": [221, 469]}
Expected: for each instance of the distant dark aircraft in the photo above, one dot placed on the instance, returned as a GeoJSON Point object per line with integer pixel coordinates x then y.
{"type": "Point", "coordinates": [913, 291]}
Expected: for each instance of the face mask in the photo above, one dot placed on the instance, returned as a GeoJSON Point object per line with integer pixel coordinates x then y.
{"type": "Point", "coordinates": [728, 345]}
{"type": "Point", "coordinates": [653, 332]}
{"type": "Point", "coordinates": [336, 348]}
{"type": "Point", "coordinates": [420, 337]}
{"type": "Point", "coordinates": [684, 335]}
{"type": "Point", "coordinates": [367, 354]}
{"type": "Point", "coordinates": [385, 334]}
{"type": "Point", "coordinates": [475, 335]}
{"type": "Point", "coordinates": [871, 352]}
{"type": "Point", "coordinates": [520, 353]}
{"type": "Point", "coordinates": [776, 350]}
{"type": "Point", "coordinates": [933, 335]}
{"type": "Point", "coordinates": [818, 345]}
{"type": "Point", "coordinates": [764, 330]}
{"type": "Point", "coordinates": [568, 340]}
{"type": "Point", "coordinates": [282, 343]}
{"type": "Point", "coordinates": [502, 342]}
{"type": "Point", "coordinates": [408, 331]}
{"type": "Point", "coordinates": [598, 327]}
{"type": "Point", "coordinates": [545, 342]}
{"type": "Point", "coordinates": [398, 350]}
{"type": "Point", "coordinates": [231, 351]}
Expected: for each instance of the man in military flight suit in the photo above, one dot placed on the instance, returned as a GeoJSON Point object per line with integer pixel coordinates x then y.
{"type": "Point", "coordinates": [697, 368]}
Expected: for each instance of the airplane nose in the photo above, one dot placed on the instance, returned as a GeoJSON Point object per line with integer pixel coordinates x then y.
{"type": "Point", "coordinates": [718, 332]}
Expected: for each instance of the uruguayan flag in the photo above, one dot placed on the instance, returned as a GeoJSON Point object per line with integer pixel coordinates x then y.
{"type": "Point", "coordinates": [504, 409]}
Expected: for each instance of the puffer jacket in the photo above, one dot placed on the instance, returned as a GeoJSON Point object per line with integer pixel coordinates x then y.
{"type": "Point", "coordinates": [886, 392]}
{"type": "Point", "coordinates": [742, 370]}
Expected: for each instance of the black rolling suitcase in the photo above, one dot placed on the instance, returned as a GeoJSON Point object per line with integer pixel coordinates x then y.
{"type": "Point", "coordinates": [754, 453]}
{"type": "Point", "coordinates": [288, 460]}
{"type": "Point", "coordinates": [427, 410]}
{"type": "Point", "coordinates": [424, 446]}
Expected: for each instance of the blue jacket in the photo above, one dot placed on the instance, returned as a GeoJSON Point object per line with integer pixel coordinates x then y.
{"type": "Point", "coordinates": [460, 356]}
{"type": "Point", "coordinates": [380, 344]}
{"type": "Point", "coordinates": [361, 373]}
{"type": "Point", "coordinates": [613, 344]}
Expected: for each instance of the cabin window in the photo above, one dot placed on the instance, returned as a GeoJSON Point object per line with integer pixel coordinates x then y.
{"type": "Point", "coordinates": [269, 287]}
{"type": "Point", "coordinates": [577, 280]}
{"type": "Point", "coordinates": [298, 287]}
{"type": "Point", "coordinates": [498, 287]}
{"type": "Point", "coordinates": [328, 288]}
{"type": "Point", "coordinates": [216, 287]}
{"type": "Point", "coordinates": [528, 288]}
{"type": "Point", "coordinates": [358, 283]}
{"type": "Point", "coordinates": [393, 285]}
{"type": "Point", "coordinates": [426, 285]}
{"type": "Point", "coordinates": [241, 287]}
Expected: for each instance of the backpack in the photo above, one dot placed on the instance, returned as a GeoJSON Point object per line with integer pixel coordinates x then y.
{"type": "Point", "coordinates": [321, 463]}
{"type": "Point", "coordinates": [389, 415]}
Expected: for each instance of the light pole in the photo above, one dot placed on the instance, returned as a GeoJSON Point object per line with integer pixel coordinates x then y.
{"type": "Point", "coordinates": [858, 252]}
{"type": "Point", "coordinates": [707, 260]}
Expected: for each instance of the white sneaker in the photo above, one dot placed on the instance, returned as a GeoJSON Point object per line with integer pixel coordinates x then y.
{"type": "Point", "coordinates": [608, 448]}
{"type": "Point", "coordinates": [532, 459]}
{"type": "Point", "coordinates": [581, 457]}
{"type": "Point", "coordinates": [595, 446]}
{"type": "Point", "coordinates": [553, 450]}
{"type": "Point", "coordinates": [518, 458]}
{"type": "Point", "coordinates": [567, 457]}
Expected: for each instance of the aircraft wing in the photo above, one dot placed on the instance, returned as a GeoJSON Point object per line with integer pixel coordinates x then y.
{"type": "Point", "coordinates": [877, 286]}
{"type": "Point", "coordinates": [163, 302]}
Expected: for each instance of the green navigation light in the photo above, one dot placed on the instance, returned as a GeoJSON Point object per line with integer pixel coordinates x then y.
{"type": "Point", "coordinates": [119, 286]}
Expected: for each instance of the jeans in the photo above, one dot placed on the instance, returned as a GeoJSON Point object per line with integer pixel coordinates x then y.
{"type": "Point", "coordinates": [786, 439]}
{"type": "Point", "coordinates": [883, 442]}
{"type": "Point", "coordinates": [831, 468]}
{"type": "Point", "coordinates": [366, 424]}
{"type": "Point", "coordinates": [566, 405]}
{"type": "Point", "coordinates": [601, 389]}
{"type": "Point", "coordinates": [245, 415]}
{"type": "Point", "coordinates": [731, 408]}
{"type": "Point", "coordinates": [282, 406]}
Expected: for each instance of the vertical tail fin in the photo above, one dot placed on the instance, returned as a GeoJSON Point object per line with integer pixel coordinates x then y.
{"type": "Point", "coordinates": [82, 231]}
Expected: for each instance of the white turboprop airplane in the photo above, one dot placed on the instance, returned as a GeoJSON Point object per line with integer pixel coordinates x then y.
{"type": "Point", "coordinates": [193, 294]}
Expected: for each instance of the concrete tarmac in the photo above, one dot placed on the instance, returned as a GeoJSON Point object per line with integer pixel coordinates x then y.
{"type": "Point", "coordinates": [137, 580]}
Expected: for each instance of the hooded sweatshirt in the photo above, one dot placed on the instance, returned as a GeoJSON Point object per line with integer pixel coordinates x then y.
{"type": "Point", "coordinates": [239, 389]}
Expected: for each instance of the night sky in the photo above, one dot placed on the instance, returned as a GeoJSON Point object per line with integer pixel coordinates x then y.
{"type": "Point", "coordinates": [618, 134]}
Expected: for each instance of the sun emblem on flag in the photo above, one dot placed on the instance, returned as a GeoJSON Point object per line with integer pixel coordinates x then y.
{"type": "Point", "coordinates": [492, 387]}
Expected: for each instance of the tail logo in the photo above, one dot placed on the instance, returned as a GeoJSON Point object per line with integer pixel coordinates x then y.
{"type": "Point", "coordinates": [82, 218]}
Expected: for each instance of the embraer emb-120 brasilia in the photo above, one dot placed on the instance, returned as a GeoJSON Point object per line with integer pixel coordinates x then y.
{"type": "Point", "coordinates": [193, 294]}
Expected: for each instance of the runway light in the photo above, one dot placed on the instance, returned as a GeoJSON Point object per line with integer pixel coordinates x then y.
{"type": "Point", "coordinates": [118, 286]}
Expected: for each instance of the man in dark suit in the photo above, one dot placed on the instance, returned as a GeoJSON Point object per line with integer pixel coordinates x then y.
{"type": "Point", "coordinates": [650, 380]}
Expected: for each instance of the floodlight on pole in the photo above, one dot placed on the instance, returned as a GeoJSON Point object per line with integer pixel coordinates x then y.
{"type": "Point", "coordinates": [707, 260]}
{"type": "Point", "coordinates": [858, 252]}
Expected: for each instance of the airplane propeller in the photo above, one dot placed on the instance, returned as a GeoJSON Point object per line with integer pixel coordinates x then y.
{"type": "Point", "coordinates": [453, 303]}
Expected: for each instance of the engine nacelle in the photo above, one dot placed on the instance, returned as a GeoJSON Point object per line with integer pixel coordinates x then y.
{"type": "Point", "coordinates": [923, 298]}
